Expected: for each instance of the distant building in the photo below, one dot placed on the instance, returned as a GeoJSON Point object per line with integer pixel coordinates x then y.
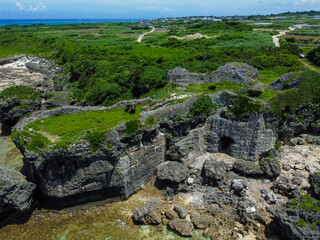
{"type": "Point", "coordinates": [316, 17]}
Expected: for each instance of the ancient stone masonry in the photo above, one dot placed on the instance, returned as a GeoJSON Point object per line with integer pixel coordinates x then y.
{"type": "Point", "coordinates": [240, 73]}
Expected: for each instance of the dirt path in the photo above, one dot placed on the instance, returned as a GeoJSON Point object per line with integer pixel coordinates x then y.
{"type": "Point", "coordinates": [276, 38]}
{"type": "Point", "coordinates": [304, 62]}
{"type": "Point", "coordinates": [142, 35]}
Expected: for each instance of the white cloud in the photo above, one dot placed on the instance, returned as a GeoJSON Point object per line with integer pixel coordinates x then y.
{"type": "Point", "coordinates": [30, 8]}
{"type": "Point", "coordinates": [303, 2]}
{"type": "Point", "coordinates": [153, 8]}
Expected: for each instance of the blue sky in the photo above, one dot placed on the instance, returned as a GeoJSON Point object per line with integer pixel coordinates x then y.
{"type": "Point", "coordinates": [21, 9]}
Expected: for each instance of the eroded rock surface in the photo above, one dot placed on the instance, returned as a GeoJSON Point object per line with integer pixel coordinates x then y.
{"type": "Point", "coordinates": [16, 197]}
{"type": "Point", "coordinates": [240, 73]}
{"type": "Point", "coordinates": [150, 213]}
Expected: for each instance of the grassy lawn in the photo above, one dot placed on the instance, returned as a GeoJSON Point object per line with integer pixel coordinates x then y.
{"type": "Point", "coordinates": [76, 124]}
{"type": "Point", "coordinates": [204, 88]}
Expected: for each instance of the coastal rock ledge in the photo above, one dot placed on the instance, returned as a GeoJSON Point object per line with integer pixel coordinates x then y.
{"type": "Point", "coordinates": [16, 197]}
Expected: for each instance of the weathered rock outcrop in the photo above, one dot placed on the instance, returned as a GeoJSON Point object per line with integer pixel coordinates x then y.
{"type": "Point", "coordinates": [13, 109]}
{"type": "Point", "coordinates": [40, 73]}
{"type": "Point", "coordinates": [201, 221]}
{"type": "Point", "coordinates": [150, 213]}
{"type": "Point", "coordinates": [182, 226]}
{"type": "Point", "coordinates": [286, 81]}
{"type": "Point", "coordinates": [292, 224]}
{"type": "Point", "coordinates": [314, 180]}
{"type": "Point", "coordinates": [240, 139]}
{"type": "Point", "coordinates": [240, 73]}
{"type": "Point", "coordinates": [77, 174]}
{"type": "Point", "coordinates": [16, 197]}
{"type": "Point", "coordinates": [172, 172]}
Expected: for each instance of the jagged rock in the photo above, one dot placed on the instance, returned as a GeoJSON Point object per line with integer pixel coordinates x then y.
{"type": "Point", "coordinates": [314, 180]}
{"type": "Point", "coordinates": [296, 180]}
{"type": "Point", "coordinates": [60, 98]}
{"type": "Point", "coordinates": [238, 185]}
{"type": "Point", "coordinates": [201, 221]}
{"type": "Point", "coordinates": [76, 175]}
{"type": "Point", "coordinates": [246, 211]}
{"type": "Point", "coordinates": [182, 212]}
{"type": "Point", "coordinates": [172, 172]}
{"type": "Point", "coordinates": [269, 196]}
{"type": "Point", "coordinates": [16, 197]}
{"type": "Point", "coordinates": [171, 214]}
{"type": "Point", "coordinates": [283, 186]}
{"type": "Point", "coordinates": [240, 139]}
{"type": "Point", "coordinates": [182, 226]}
{"type": "Point", "coordinates": [13, 109]}
{"type": "Point", "coordinates": [286, 81]}
{"type": "Point", "coordinates": [247, 168]}
{"type": "Point", "coordinates": [214, 169]}
{"type": "Point", "coordinates": [235, 72]}
{"type": "Point", "coordinates": [150, 213]}
{"type": "Point", "coordinates": [184, 78]}
{"type": "Point", "coordinates": [292, 223]}
{"type": "Point", "coordinates": [270, 167]}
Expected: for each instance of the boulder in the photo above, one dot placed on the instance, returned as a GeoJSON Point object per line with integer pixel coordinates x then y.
{"type": "Point", "coordinates": [182, 226]}
{"type": "Point", "coordinates": [215, 169]}
{"type": "Point", "coordinates": [150, 213]}
{"type": "Point", "coordinates": [236, 72]}
{"type": "Point", "coordinates": [286, 81]}
{"type": "Point", "coordinates": [247, 168]}
{"type": "Point", "coordinates": [314, 180]}
{"type": "Point", "coordinates": [270, 167]}
{"type": "Point", "coordinates": [16, 197]}
{"type": "Point", "coordinates": [283, 186]}
{"type": "Point", "coordinates": [238, 185]}
{"type": "Point", "coordinates": [171, 214]}
{"type": "Point", "coordinates": [201, 221]}
{"type": "Point", "coordinates": [172, 172]}
{"type": "Point", "coordinates": [295, 224]}
{"type": "Point", "coordinates": [182, 212]}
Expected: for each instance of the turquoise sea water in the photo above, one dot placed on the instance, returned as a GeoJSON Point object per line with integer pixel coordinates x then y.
{"type": "Point", "coordinates": [6, 22]}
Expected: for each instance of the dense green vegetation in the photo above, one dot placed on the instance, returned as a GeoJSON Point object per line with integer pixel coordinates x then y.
{"type": "Point", "coordinates": [202, 106]}
{"type": "Point", "coordinates": [306, 92]}
{"type": "Point", "coordinates": [106, 64]}
{"type": "Point", "coordinates": [314, 56]}
{"type": "Point", "coordinates": [21, 92]}
{"type": "Point", "coordinates": [242, 105]}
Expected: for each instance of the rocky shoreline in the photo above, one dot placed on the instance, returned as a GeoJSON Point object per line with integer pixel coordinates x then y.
{"type": "Point", "coordinates": [224, 169]}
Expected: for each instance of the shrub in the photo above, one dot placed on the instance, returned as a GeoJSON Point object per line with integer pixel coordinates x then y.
{"type": "Point", "coordinates": [132, 127]}
{"type": "Point", "coordinates": [254, 93]}
{"type": "Point", "coordinates": [151, 120]}
{"type": "Point", "coordinates": [21, 92]}
{"type": "Point", "coordinates": [243, 105]}
{"type": "Point", "coordinates": [212, 88]}
{"type": "Point", "coordinates": [95, 138]}
{"type": "Point", "coordinates": [202, 106]}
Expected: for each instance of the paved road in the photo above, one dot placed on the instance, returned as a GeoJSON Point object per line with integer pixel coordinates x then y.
{"type": "Point", "coordinates": [142, 35]}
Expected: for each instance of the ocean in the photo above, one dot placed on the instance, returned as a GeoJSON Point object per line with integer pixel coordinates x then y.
{"type": "Point", "coordinates": [6, 22]}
